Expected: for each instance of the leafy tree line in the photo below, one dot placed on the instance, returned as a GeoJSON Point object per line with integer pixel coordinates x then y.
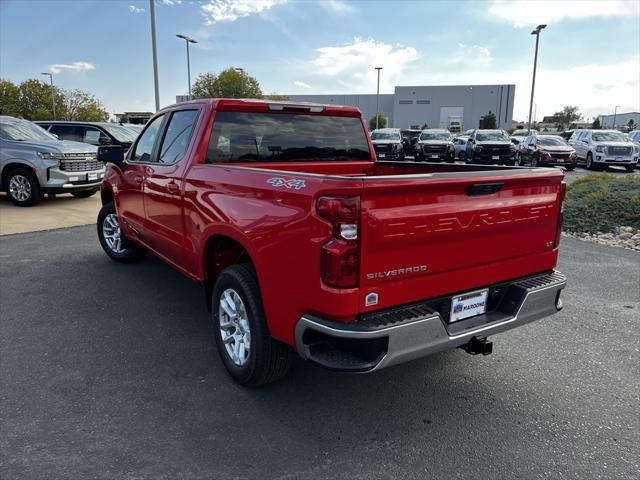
{"type": "Point", "coordinates": [32, 100]}
{"type": "Point", "coordinates": [230, 83]}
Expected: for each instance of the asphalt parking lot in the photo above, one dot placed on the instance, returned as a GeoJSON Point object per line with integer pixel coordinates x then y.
{"type": "Point", "coordinates": [110, 371]}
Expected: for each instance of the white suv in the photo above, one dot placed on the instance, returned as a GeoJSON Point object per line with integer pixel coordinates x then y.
{"type": "Point", "coordinates": [604, 147]}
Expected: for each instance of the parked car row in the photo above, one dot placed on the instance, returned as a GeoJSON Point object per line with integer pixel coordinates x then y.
{"type": "Point", "coordinates": [55, 157]}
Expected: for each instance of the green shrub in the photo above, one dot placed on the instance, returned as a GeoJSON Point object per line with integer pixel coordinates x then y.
{"type": "Point", "coordinates": [602, 202]}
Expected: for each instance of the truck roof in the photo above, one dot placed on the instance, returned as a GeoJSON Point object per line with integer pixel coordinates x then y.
{"type": "Point", "coordinates": [257, 105]}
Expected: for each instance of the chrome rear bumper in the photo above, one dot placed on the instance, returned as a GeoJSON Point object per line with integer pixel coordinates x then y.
{"type": "Point", "coordinates": [402, 334]}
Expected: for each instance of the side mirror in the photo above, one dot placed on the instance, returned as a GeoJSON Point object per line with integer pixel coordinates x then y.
{"type": "Point", "coordinates": [112, 154]}
{"type": "Point", "coordinates": [105, 141]}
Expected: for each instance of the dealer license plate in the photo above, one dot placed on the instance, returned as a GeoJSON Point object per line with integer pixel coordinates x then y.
{"type": "Point", "coordinates": [381, 155]}
{"type": "Point", "coordinates": [619, 159]}
{"type": "Point", "coordinates": [468, 305]}
{"type": "Point", "coordinates": [92, 176]}
{"type": "Point", "coordinates": [434, 156]}
{"type": "Point", "coordinates": [495, 157]}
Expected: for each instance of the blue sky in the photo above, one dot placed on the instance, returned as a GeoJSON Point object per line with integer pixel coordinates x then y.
{"type": "Point", "coordinates": [589, 53]}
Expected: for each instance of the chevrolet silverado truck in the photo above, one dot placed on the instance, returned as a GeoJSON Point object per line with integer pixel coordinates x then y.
{"type": "Point", "coordinates": [305, 243]}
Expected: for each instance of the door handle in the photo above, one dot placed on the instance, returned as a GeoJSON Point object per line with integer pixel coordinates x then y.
{"type": "Point", "coordinates": [172, 187]}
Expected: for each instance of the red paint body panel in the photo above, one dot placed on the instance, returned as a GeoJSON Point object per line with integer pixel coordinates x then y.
{"type": "Point", "coordinates": [410, 216]}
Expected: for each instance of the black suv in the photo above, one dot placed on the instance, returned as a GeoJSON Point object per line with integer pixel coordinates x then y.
{"type": "Point", "coordinates": [95, 133]}
{"type": "Point", "coordinates": [490, 146]}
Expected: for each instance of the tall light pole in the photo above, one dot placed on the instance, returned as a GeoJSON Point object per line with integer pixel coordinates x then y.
{"type": "Point", "coordinates": [154, 51]}
{"type": "Point", "coordinates": [187, 39]}
{"type": "Point", "coordinates": [536, 32]}
{"type": "Point", "coordinates": [615, 114]}
{"type": "Point", "coordinates": [378, 97]}
{"type": "Point", "coordinates": [53, 93]}
{"type": "Point", "coordinates": [240, 70]}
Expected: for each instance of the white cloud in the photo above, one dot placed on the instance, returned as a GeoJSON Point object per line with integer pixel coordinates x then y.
{"type": "Point", "coordinates": [74, 67]}
{"type": "Point", "coordinates": [230, 10]}
{"type": "Point", "coordinates": [472, 55]}
{"type": "Point", "coordinates": [339, 7]}
{"type": "Point", "coordinates": [523, 13]}
{"type": "Point", "coordinates": [352, 64]}
{"type": "Point", "coordinates": [134, 9]}
{"type": "Point", "coordinates": [170, 3]}
{"type": "Point", "coordinates": [298, 83]}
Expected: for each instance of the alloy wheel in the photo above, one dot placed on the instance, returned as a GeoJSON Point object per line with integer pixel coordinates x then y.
{"type": "Point", "coordinates": [111, 233]}
{"type": "Point", "coordinates": [20, 187]}
{"type": "Point", "coordinates": [235, 330]}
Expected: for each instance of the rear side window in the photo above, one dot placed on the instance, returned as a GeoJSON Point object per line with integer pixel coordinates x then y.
{"type": "Point", "coordinates": [144, 147]}
{"type": "Point", "coordinates": [67, 132]}
{"type": "Point", "coordinates": [283, 137]}
{"type": "Point", "coordinates": [176, 140]}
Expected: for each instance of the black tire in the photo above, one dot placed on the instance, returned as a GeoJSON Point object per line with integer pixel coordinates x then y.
{"type": "Point", "coordinates": [419, 157]}
{"type": "Point", "coordinates": [462, 156]}
{"type": "Point", "coordinates": [129, 251]}
{"type": "Point", "coordinates": [85, 193]}
{"type": "Point", "coordinates": [534, 162]}
{"type": "Point", "coordinates": [268, 360]}
{"type": "Point", "coordinates": [589, 162]}
{"type": "Point", "coordinates": [629, 168]}
{"type": "Point", "coordinates": [570, 168]}
{"type": "Point", "coordinates": [22, 187]}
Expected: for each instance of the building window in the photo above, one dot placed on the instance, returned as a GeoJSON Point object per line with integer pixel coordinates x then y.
{"type": "Point", "coordinates": [423, 102]}
{"type": "Point", "coordinates": [405, 102]}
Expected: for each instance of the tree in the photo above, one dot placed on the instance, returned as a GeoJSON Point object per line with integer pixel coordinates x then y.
{"type": "Point", "coordinates": [34, 100]}
{"type": "Point", "coordinates": [229, 83]}
{"type": "Point", "coordinates": [79, 105]}
{"type": "Point", "coordinates": [631, 125]}
{"type": "Point", "coordinates": [9, 98]}
{"type": "Point", "coordinates": [275, 96]}
{"type": "Point", "coordinates": [424, 126]}
{"type": "Point", "coordinates": [382, 121]}
{"type": "Point", "coordinates": [596, 124]}
{"type": "Point", "coordinates": [488, 121]}
{"type": "Point", "coordinates": [568, 115]}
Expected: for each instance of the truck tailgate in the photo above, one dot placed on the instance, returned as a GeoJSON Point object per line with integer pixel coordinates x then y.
{"type": "Point", "coordinates": [427, 236]}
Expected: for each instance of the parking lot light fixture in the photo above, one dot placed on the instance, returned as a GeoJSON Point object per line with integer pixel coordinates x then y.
{"type": "Point", "coordinates": [378, 97]}
{"type": "Point", "coordinates": [535, 32]}
{"type": "Point", "coordinates": [615, 114]}
{"type": "Point", "coordinates": [53, 93]}
{"type": "Point", "coordinates": [187, 39]}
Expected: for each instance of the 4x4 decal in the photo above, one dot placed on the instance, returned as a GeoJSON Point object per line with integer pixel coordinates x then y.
{"type": "Point", "coordinates": [294, 183]}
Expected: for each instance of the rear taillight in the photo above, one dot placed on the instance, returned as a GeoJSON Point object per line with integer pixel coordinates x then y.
{"type": "Point", "coordinates": [339, 256]}
{"type": "Point", "coordinates": [563, 194]}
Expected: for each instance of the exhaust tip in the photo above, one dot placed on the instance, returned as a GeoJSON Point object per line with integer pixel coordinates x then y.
{"type": "Point", "coordinates": [559, 303]}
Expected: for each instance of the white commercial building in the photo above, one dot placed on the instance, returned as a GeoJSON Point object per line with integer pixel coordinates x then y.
{"type": "Point", "coordinates": [621, 119]}
{"type": "Point", "coordinates": [434, 106]}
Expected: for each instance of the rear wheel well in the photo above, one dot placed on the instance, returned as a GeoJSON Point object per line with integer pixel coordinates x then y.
{"type": "Point", "coordinates": [221, 252]}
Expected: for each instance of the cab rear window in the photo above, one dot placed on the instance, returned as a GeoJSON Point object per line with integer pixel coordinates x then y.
{"type": "Point", "coordinates": [284, 137]}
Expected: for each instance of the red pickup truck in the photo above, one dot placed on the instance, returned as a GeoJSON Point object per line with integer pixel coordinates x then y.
{"type": "Point", "coordinates": [303, 242]}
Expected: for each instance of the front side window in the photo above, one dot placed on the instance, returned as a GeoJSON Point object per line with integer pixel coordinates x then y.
{"type": "Point", "coordinates": [144, 147]}
{"type": "Point", "coordinates": [284, 137]}
{"type": "Point", "coordinates": [92, 136]}
{"type": "Point", "coordinates": [178, 135]}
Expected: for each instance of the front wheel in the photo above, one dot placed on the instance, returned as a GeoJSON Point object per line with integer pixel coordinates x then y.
{"type": "Point", "coordinates": [590, 165]}
{"type": "Point", "coordinates": [570, 168]}
{"type": "Point", "coordinates": [85, 193]}
{"type": "Point", "coordinates": [462, 156]}
{"type": "Point", "coordinates": [23, 188]}
{"type": "Point", "coordinates": [249, 353]}
{"type": "Point", "coordinates": [113, 242]}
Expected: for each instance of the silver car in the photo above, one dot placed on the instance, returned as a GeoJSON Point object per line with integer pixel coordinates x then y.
{"type": "Point", "coordinates": [34, 162]}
